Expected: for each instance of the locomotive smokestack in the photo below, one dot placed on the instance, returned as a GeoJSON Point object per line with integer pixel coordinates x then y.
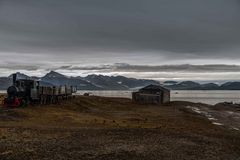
{"type": "Point", "coordinates": [14, 78]}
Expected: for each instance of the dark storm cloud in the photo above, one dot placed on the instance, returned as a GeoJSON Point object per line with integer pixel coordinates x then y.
{"type": "Point", "coordinates": [20, 67]}
{"type": "Point", "coordinates": [178, 68]}
{"type": "Point", "coordinates": [185, 28]}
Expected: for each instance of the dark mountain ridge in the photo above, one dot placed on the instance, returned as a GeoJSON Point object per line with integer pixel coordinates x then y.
{"type": "Point", "coordinates": [190, 85]}
{"type": "Point", "coordinates": [101, 82]}
{"type": "Point", "coordinates": [91, 82]}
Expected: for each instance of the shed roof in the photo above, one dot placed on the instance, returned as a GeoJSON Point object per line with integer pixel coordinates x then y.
{"type": "Point", "coordinates": [155, 88]}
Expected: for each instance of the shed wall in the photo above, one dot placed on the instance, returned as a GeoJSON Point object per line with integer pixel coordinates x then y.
{"type": "Point", "coordinates": [146, 98]}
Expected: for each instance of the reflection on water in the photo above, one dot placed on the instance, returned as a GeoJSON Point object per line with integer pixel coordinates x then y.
{"type": "Point", "coordinates": [209, 97]}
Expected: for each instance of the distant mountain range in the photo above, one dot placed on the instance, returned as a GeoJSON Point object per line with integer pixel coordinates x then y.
{"type": "Point", "coordinates": [100, 82]}
{"type": "Point", "coordinates": [91, 82]}
{"type": "Point", "coordinates": [190, 85]}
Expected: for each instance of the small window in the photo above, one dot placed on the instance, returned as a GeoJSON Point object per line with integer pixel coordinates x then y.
{"type": "Point", "coordinates": [32, 84]}
{"type": "Point", "coordinates": [22, 84]}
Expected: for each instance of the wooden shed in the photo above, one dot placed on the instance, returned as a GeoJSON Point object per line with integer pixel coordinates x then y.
{"type": "Point", "coordinates": [152, 94]}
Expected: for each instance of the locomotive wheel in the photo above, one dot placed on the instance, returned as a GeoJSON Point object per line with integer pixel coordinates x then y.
{"type": "Point", "coordinates": [17, 103]}
{"type": "Point", "coordinates": [24, 103]}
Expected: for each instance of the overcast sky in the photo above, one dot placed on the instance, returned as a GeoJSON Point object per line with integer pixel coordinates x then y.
{"type": "Point", "coordinates": [158, 39]}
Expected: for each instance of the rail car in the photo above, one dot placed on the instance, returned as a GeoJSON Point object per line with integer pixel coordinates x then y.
{"type": "Point", "coordinates": [25, 91]}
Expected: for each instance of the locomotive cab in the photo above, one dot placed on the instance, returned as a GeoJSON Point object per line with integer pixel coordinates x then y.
{"type": "Point", "coordinates": [27, 89]}
{"type": "Point", "coordinates": [22, 92]}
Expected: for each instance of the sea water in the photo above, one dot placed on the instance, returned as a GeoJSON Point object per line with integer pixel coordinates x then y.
{"type": "Point", "coordinates": [209, 97]}
{"type": "Point", "coordinates": [206, 96]}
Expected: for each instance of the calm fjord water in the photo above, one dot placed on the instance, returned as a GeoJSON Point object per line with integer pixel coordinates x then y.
{"type": "Point", "coordinates": [209, 97]}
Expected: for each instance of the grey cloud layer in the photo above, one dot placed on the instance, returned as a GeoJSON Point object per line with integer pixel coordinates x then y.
{"type": "Point", "coordinates": [123, 67]}
{"type": "Point", "coordinates": [164, 68]}
{"type": "Point", "coordinates": [81, 36]}
{"type": "Point", "coordinates": [186, 28]}
{"type": "Point", "coordinates": [217, 73]}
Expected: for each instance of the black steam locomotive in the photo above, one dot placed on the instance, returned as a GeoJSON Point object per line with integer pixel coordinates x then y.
{"type": "Point", "coordinates": [25, 91]}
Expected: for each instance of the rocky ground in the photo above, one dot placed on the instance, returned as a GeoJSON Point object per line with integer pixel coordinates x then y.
{"type": "Point", "coordinates": [114, 128]}
{"type": "Point", "coordinates": [222, 114]}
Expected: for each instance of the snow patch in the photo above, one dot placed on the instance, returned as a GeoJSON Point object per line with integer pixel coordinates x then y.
{"type": "Point", "coordinates": [212, 119]}
{"type": "Point", "coordinates": [218, 124]}
{"type": "Point", "coordinates": [204, 113]}
{"type": "Point", "coordinates": [237, 129]}
{"type": "Point", "coordinates": [230, 112]}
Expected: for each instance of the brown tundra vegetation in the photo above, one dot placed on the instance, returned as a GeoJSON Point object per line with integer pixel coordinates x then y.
{"type": "Point", "coordinates": [98, 128]}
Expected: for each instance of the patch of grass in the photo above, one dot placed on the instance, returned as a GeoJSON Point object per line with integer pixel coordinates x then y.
{"type": "Point", "coordinates": [102, 112]}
